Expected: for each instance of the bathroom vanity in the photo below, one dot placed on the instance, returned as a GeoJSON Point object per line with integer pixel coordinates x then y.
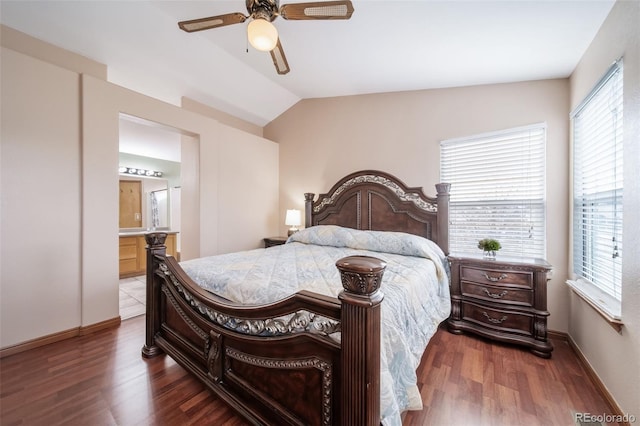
{"type": "Point", "coordinates": [133, 253]}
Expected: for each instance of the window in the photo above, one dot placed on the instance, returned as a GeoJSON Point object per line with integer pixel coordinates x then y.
{"type": "Point", "coordinates": [597, 192]}
{"type": "Point", "coordinates": [497, 190]}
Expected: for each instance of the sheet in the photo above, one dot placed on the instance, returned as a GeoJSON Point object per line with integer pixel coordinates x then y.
{"type": "Point", "coordinates": [415, 286]}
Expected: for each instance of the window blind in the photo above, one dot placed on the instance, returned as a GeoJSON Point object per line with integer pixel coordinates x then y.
{"type": "Point", "coordinates": [598, 185]}
{"type": "Point", "coordinates": [497, 190]}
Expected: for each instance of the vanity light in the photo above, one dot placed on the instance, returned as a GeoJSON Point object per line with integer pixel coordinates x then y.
{"type": "Point", "coordinates": [139, 172]}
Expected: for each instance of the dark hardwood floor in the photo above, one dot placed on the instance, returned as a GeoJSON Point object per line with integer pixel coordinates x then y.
{"type": "Point", "coordinates": [466, 380]}
{"type": "Point", "coordinates": [101, 379]}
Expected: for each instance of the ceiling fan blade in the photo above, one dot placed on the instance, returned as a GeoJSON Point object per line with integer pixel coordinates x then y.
{"type": "Point", "coordinates": [317, 10]}
{"type": "Point", "coordinates": [211, 22]}
{"type": "Point", "coordinates": [279, 60]}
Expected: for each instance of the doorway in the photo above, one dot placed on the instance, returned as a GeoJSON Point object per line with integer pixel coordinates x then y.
{"type": "Point", "coordinates": [150, 174]}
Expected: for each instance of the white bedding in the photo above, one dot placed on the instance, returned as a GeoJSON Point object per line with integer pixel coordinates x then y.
{"type": "Point", "coordinates": [415, 286]}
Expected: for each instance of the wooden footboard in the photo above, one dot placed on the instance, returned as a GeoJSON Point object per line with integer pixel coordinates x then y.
{"type": "Point", "coordinates": [306, 360]}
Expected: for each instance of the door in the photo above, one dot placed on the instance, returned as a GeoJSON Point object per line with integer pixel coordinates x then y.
{"type": "Point", "coordinates": [130, 204]}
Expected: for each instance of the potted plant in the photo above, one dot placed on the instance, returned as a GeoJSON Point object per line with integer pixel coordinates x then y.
{"type": "Point", "coordinates": [490, 247]}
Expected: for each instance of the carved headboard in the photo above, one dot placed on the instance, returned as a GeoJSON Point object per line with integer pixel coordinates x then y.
{"type": "Point", "coordinates": [374, 200]}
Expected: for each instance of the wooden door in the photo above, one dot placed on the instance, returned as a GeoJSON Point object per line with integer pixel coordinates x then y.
{"type": "Point", "coordinates": [130, 204]}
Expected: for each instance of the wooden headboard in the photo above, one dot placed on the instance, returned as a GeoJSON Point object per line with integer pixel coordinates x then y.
{"type": "Point", "coordinates": [374, 200]}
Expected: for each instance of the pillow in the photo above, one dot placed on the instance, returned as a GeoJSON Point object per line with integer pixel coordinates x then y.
{"type": "Point", "coordinates": [380, 241]}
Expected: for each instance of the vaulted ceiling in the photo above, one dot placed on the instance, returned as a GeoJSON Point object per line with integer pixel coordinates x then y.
{"type": "Point", "coordinates": [386, 46]}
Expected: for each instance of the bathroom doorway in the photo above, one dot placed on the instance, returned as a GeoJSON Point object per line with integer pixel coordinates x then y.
{"type": "Point", "coordinates": [150, 185]}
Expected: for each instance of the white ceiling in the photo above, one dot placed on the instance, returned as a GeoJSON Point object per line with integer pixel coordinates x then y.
{"type": "Point", "coordinates": [387, 46]}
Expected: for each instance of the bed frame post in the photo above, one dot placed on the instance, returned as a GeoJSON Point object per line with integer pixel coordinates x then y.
{"type": "Point", "coordinates": [308, 209]}
{"type": "Point", "coordinates": [155, 247]}
{"type": "Point", "coordinates": [361, 277]}
{"type": "Point", "coordinates": [443, 215]}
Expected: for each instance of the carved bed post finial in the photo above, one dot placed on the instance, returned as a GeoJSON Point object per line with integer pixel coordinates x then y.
{"type": "Point", "coordinates": [361, 277]}
{"type": "Point", "coordinates": [308, 209]}
{"type": "Point", "coordinates": [155, 247]}
{"type": "Point", "coordinates": [443, 215]}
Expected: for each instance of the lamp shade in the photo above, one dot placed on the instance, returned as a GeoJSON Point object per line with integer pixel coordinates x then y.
{"type": "Point", "coordinates": [262, 34]}
{"type": "Point", "coordinates": [293, 218]}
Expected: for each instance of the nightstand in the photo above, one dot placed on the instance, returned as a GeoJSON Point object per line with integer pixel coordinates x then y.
{"type": "Point", "coordinates": [274, 241]}
{"type": "Point", "coordinates": [503, 299]}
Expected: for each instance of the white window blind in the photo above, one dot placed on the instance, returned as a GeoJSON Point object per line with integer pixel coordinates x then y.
{"type": "Point", "coordinates": [598, 185]}
{"type": "Point", "coordinates": [497, 190]}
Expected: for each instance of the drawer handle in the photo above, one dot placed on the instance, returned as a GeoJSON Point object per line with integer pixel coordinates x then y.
{"type": "Point", "coordinates": [494, 320]}
{"type": "Point", "coordinates": [495, 295]}
{"type": "Point", "coordinates": [495, 279]}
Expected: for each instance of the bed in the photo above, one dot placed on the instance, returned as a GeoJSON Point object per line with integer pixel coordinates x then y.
{"type": "Point", "coordinates": [326, 329]}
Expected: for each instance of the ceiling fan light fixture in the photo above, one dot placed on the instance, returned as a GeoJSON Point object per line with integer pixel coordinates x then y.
{"type": "Point", "coordinates": [262, 34]}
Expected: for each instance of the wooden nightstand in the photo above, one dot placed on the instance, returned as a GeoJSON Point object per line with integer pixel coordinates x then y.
{"type": "Point", "coordinates": [274, 241]}
{"type": "Point", "coordinates": [503, 299]}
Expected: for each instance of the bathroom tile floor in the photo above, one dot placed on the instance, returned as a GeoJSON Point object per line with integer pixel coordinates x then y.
{"type": "Point", "coordinates": [132, 297]}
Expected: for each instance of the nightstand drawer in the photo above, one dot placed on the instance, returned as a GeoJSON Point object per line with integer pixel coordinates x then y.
{"type": "Point", "coordinates": [500, 320]}
{"type": "Point", "coordinates": [503, 294]}
{"type": "Point", "coordinates": [496, 276]}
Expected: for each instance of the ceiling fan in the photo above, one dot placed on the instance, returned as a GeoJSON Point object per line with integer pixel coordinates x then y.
{"type": "Point", "coordinates": [261, 32]}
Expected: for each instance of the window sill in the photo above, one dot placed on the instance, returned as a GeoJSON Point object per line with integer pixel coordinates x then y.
{"type": "Point", "coordinates": [607, 307]}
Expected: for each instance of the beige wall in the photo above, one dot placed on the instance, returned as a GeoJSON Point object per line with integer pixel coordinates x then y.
{"type": "Point", "coordinates": [322, 140]}
{"type": "Point", "coordinates": [249, 168]}
{"type": "Point", "coordinates": [222, 117]}
{"type": "Point", "coordinates": [616, 356]}
{"type": "Point", "coordinates": [59, 226]}
{"type": "Point", "coordinates": [40, 185]}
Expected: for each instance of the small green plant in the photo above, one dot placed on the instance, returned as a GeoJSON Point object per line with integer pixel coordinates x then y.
{"type": "Point", "coordinates": [489, 244]}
